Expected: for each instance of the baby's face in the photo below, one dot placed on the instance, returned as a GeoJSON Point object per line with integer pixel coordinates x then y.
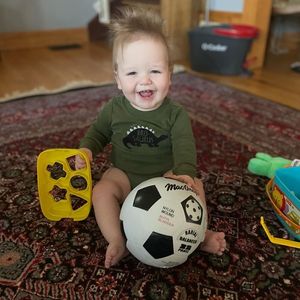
{"type": "Point", "coordinates": [143, 73]}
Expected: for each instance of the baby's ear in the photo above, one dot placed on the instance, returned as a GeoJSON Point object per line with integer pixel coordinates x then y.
{"type": "Point", "coordinates": [170, 75]}
{"type": "Point", "coordinates": [117, 80]}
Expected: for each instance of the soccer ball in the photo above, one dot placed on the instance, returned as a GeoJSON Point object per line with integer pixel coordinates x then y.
{"type": "Point", "coordinates": [164, 221]}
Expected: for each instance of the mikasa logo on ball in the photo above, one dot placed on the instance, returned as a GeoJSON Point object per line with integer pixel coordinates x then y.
{"type": "Point", "coordinates": [213, 47]}
{"type": "Point", "coordinates": [175, 187]}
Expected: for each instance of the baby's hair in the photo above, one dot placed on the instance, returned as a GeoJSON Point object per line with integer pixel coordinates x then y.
{"type": "Point", "coordinates": [130, 24]}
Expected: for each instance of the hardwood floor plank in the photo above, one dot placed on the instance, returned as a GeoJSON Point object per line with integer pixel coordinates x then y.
{"type": "Point", "coordinates": [26, 69]}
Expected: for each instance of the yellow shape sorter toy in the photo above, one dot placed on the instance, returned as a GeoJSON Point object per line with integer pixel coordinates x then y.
{"type": "Point", "coordinates": [64, 192]}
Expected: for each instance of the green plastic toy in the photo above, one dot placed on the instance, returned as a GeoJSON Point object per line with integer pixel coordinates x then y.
{"type": "Point", "coordinates": [264, 164]}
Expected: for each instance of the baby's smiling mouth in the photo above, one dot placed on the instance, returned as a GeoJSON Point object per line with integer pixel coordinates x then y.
{"type": "Point", "coordinates": [146, 93]}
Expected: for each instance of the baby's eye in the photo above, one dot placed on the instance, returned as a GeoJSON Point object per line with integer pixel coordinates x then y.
{"type": "Point", "coordinates": [155, 71]}
{"type": "Point", "coordinates": [131, 73]}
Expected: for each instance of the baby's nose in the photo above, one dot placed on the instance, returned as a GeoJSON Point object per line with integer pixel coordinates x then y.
{"type": "Point", "coordinates": [145, 79]}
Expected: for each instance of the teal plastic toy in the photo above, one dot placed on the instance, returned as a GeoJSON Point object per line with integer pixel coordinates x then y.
{"type": "Point", "coordinates": [264, 164]}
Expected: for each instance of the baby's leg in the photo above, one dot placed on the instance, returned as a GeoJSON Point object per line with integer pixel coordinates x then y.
{"type": "Point", "coordinates": [214, 242]}
{"type": "Point", "coordinates": [108, 194]}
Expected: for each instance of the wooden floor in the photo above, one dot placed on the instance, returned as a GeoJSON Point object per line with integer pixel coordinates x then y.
{"type": "Point", "coordinates": [276, 81]}
{"type": "Point", "coordinates": [24, 70]}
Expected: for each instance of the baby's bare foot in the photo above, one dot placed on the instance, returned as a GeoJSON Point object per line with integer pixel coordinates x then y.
{"type": "Point", "coordinates": [214, 242]}
{"type": "Point", "coordinates": [114, 253]}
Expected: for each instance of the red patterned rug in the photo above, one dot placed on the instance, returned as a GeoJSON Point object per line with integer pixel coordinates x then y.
{"type": "Point", "coordinates": [40, 259]}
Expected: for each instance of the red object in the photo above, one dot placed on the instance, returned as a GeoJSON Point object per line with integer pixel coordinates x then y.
{"type": "Point", "coordinates": [237, 31]}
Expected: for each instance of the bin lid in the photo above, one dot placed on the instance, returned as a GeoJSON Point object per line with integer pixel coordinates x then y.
{"type": "Point", "coordinates": [237, 31]}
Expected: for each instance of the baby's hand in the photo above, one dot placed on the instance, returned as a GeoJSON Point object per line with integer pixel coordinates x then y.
{"type": "Point", "coordinates": [188, 180]}
{"type": "Point", "coordinates": [80, 162]}
{"type": "Point", "coordinates": [195, 184]}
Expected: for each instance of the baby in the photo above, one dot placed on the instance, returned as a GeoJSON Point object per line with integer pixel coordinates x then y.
{"type": "Point", "coordinates": [162, 143]}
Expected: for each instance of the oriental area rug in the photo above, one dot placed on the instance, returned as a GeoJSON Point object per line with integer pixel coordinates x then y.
{"type": "Point", "coordinates": [42, 259]}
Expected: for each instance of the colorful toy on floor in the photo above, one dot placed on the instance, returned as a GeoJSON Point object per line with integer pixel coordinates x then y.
{"type": "Point", "coordinates": [278, 241]}
{"type": "Point", "coordinates": [284, 193]}
{"type": "Point", "coordinates": [64, 192]}
{"type": "Point", "coordinates": [283, 190]}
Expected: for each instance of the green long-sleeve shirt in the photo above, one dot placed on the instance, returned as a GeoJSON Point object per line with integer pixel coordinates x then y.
{"type": "Point", "coordinates": [146, 143]}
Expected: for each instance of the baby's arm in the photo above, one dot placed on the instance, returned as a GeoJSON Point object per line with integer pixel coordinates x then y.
{"type": "Point", "coordinates": [97, 136]}
{"type": "Point", "coordinates": [80, 161]}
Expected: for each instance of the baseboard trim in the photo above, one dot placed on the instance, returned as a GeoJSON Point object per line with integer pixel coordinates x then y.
{"type": "Point", "coordinates": [225, 17]}
{"type": "Point", "coordinates": [35, 39]}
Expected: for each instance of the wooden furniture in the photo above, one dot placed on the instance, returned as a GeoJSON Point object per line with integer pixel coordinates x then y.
{"type": "Point", "coordinates": [180, 17]}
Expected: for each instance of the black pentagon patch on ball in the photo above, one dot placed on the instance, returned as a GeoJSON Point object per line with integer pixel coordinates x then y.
{"type": "Point", "coordinates": [146, 197]}
{"type": "Point", "coordinates": [193, 210]}
{"type": "Point", "coordinates": [159, 245]}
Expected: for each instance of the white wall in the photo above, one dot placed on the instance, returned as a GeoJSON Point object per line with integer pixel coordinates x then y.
{"type": "Point", "coordinates": [32, 15]}
{"type": "Point", "coordinates": [227, 5]}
